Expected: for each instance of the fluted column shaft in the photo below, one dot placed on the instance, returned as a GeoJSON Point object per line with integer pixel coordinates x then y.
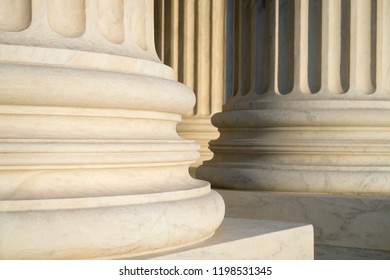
{"type": "Point", "coordinates": [310, 101]}
{"type": "Point", "coordinates": [190, 37]}
{"type": "Point", "coordinates": [91, 164]}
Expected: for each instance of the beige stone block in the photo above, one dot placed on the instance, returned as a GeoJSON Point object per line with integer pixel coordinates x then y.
{"type": "Point", "coordinates": [355, 221]}
{"type": "Point", "coordinates": [249, 239]}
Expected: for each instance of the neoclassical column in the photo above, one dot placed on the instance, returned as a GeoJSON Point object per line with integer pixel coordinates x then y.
{"type": "Point", "coordinates": [190, 37]}
{"type": "Point", "coordinates": [91, 165]}
{"type": "Point", "coordinates": [311, 99]}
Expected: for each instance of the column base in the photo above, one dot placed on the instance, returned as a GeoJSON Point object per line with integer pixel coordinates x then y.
{"type": "Point", "coordinates": [244, 239]}
{"type": "Point", "coordinates": [202, 131]}
{"type": "Point", "coordinates": [99, 230]}
{"type": "Point", "coordinates": [347, 221]}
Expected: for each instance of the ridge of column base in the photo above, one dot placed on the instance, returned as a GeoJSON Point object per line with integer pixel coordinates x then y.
{"type": "Point", "coordinates": [107, 231]}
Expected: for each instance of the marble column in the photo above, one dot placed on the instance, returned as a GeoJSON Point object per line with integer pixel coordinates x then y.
{"type": "Point", "coordinates": [190, 37]}
{"type": "Point", "coordinates": [305, 135]}
{"type": "Point", "coordinates": [91, 164]}
{"type": "Point", "coordinates": [310, 102]}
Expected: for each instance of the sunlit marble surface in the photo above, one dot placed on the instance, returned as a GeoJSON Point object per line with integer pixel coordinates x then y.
{"type": "Point", "coordinates": [357, 221]}
{"type": "Point", "coordinates": [249, 239]}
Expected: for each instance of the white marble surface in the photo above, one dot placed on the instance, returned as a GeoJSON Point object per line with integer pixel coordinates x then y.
{"type": "Point", "coordinates": [104, 231]}
{"type": "Point", "coordinates": [249, 239]}
{"type": "Point", "coordinates": [307, 113]}
{"type": "Point", "coordinates": [324, 252]}
{"type": "Point", "coordinates": [91, 163]}
{"type": "Point", "coordinates": [194, 46]}
{"type": "Point", "coordinates": [357, 221]}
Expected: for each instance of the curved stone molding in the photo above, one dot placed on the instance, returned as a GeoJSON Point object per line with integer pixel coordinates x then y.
{"type": "Point", "coordinates": [111, 25]}
{"type": "Point", "coordinates": [67, 17]}
{"type": "Point", "coordinates": [119, 27]}
{"type": "Point", "coordinates": [127, 230]}
{"type": "Point", "coordinates": [92, 165]}
{"type": "Point", "coordinates": [139, 24]}
{"type": "Point", "coordinates": [318, 50]}
{"type": "Point", "coordinates": [309, 105]}
{"type": "Point", "coordinates": [21, 11]}
{"type": "Point", "coordinates": [190, 38]}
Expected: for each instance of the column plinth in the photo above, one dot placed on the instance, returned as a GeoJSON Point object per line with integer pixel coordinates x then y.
{"type": "Point", "coordinates": [92, 165]}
